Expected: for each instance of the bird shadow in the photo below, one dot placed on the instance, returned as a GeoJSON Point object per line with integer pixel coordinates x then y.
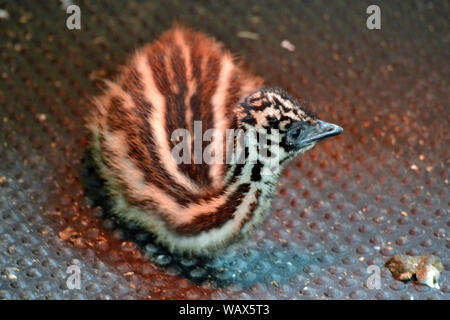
{"type": "Point", "coordinates": [242, 267]}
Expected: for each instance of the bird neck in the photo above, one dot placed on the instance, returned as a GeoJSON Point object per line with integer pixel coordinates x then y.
{"type": "Point", "coordinates": [255, 158]}
{"type": "Point", "coordinates": [255, 167]}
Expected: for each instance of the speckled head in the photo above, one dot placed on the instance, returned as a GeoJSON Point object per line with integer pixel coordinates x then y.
{"type": "Point", "coordinates": [299, 130]}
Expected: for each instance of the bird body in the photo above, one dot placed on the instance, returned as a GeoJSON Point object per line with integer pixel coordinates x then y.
{"type": "Point", "coordinates": [183, 79]}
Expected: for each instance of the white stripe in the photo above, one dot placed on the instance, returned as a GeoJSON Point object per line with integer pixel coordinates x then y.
{"type": "Point", "coordinates": [191, 85]}
{"type": "Point", "coordinates": [158, 124]}
{"type": "Point", "coordinates": [219, 110]}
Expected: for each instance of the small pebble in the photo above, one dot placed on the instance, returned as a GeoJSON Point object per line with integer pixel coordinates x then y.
{"type": "Point", "coordinates": [4, 14]}
{"type": "Point", "coordinates": [248, 35]}
{"type": "Point", "coordinates": [286, 44]}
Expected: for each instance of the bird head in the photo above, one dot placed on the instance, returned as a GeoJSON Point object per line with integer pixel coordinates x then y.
{"type": "Point", "coordinates": [270, 111]}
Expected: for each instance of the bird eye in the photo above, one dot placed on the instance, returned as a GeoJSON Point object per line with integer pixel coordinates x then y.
{"type": "Point", "coordinates": [295, 133]}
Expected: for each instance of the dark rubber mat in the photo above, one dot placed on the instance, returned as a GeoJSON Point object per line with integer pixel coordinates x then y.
{"type": "Point", "coordinates": [379, 189]}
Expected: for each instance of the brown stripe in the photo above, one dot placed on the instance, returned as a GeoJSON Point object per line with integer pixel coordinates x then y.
{"type": "Point", "coordinates": [233, 94]}
{"type": "Point", "coordinates": [219, 217]}
{"type": "Point", "coordinates": [251, 209]}
{"type": "Point", "coordinates": [116, 114]}
{"type": "Point", "coordinates": [175, 107]}
{"type": "Point", "coordinates": [205, 69]}
{"type": "Point", "coordinates": [232, 101]}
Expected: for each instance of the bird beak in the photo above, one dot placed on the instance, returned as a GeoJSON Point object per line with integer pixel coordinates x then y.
{"type": "Point", "coordinates": [323, 130]}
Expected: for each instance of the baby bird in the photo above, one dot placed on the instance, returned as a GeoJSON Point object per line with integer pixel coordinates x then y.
{"type": "Point", "coordinates": [183, 79]}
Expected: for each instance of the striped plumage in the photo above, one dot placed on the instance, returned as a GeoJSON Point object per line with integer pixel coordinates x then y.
{"type": "Point", "coordinates": [183, 77]}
